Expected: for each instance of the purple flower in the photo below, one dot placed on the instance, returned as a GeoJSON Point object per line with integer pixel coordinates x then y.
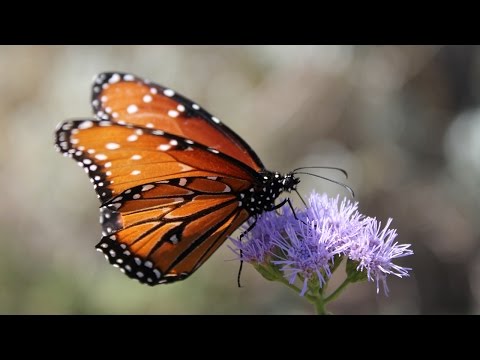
{"type": "Point", "coordinates": [257, 244]}
{"type": "Point", "coordinates": [374, 249]}
{"type": "Point", "coordinates": [343, 217]}
{"type": "Point", "coordinates": [307, 249]}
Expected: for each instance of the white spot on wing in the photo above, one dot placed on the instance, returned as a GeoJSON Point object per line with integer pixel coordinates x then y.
{"type": "Point", "coordinates": [132, 137]}
{"type": "Point", "coordinates": [173, 113]}
{"type": "Point", "coordinates": [168, 92]}
{"type": "Point", "coordinates": [112, 146]}
{"type": "Point", "coordinates": [174, 239]}
{"type": "Point", "coordinates": [115, 78]}
{"type": "Point", "coordinates": [115, 205]}
{"type": "Point", "coordinates": [128, 77]}
{"type": "Point", "coordinates": [85, 124]}
{"type": "Point", "coordinates": [215, 120]}
{"type": "Point", "coordinates": [195, 106]}
{"type": "Point", "coordinates": [136, 157]}
{"type": "Point", "coordinates": [132, 109]}
{"type": "Point", "coordinates": [135, 172]}
{"type": "Point", "coordinates": [164, 147]}
{"type": "Point", "coordinates": [182, 182]}
{"type": "Point", "coordinates": [147, 187]}
{"type": "Point", "coordinates": [137, 196]}
{"type": "Point", "coordinates": [147, 98]}
{"type": "Point", "coordinates": [101, 157]}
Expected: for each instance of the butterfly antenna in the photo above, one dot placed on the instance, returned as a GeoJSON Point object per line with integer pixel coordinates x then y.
{"type": "Point", "coordinates": [331, 180]}
{"type": "Point", "coordinates": [344, 172]}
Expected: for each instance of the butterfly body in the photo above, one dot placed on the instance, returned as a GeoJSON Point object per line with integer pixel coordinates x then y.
{"type": "Point", "coordinates": [173, 181]}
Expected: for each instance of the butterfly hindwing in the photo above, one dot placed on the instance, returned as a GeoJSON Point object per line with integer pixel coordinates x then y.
{"type": "Point", "coordinates": [163, 231]}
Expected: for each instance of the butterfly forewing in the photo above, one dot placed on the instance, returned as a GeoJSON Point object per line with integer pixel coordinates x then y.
{"type": "Point", "coordinates": [125, 98]}
{"type": "Point", "coordinates": [118, 157]}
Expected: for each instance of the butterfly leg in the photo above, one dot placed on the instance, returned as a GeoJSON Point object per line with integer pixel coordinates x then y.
{"type": "Point", "coordinates": [241, 252]}
{"type": "Point", "coordinates": [240, 269]}
{"type": "Point", "coordinates": [285, 201]}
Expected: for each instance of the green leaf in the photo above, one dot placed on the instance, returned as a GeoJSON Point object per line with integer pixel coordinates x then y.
{"type": "Point", "coordinates": [353, 274]}
{"type": "Point", "coordinates": [267, 271]}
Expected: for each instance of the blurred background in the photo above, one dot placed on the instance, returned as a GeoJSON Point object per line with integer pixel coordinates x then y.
{"type": "Point", "coordinates": [404, 121]}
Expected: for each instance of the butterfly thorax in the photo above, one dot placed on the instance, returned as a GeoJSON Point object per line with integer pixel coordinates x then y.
{"type": "Point", "coordinates": [262, 195]}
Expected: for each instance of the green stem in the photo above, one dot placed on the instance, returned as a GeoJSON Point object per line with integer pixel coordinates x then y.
{"type": "Point", "coordinates": [277, 276]}
{"type": "Point", "coordinates": [310, 298]}
{"type": "Point", "coordinates": [337, 292]}
{"type": "Point", "coordinates": [320, 306]}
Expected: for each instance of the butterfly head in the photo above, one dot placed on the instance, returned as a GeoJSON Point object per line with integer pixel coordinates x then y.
{"type": "Point", "coordinates": [290, 182]}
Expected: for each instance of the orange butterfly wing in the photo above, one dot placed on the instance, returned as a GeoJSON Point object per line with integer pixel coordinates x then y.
{"type": "Point", "coordinates": [163, 231]}
{"type": "Point", "coordinates": [119, 157]}
{"type": "Point", "coordinates": [168, 202]}
{"type": "Point", "coordinates": [170, 176]}
{"type": "Point", "coordinates": [128, 99]}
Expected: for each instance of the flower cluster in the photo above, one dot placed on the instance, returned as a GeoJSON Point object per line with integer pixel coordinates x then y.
{"type": "Point", "coordinates": [309, 248]}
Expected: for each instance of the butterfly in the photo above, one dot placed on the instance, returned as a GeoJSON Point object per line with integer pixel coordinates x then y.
{"type": "Point", "coordinates": [173, 181]}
